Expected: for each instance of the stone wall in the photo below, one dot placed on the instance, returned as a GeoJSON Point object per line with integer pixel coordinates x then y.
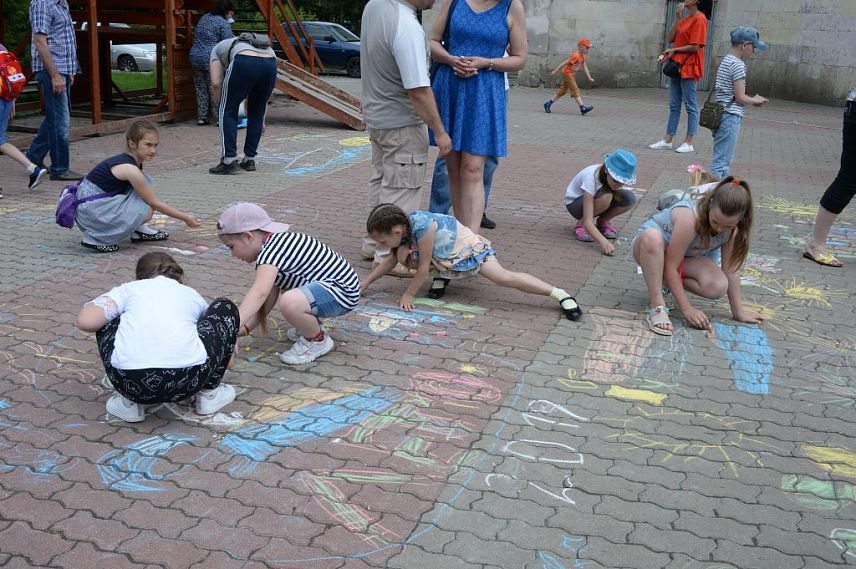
{"type": "Point", "coordinates": [812, 55]}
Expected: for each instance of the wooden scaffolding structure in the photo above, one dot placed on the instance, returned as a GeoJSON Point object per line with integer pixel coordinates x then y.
{"type": "Point", "coordinates": [169, 25]}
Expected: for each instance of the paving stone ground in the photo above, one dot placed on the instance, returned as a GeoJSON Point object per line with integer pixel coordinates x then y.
{"type": "Point", "coordinates": [480, 431]}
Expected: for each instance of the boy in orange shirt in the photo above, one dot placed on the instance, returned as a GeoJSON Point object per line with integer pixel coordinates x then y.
{"type": "Point", "coordinates": [569, 83]}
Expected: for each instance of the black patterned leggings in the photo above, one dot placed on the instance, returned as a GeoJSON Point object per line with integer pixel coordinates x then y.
{"type": "Point", "coordinates": [204, 92]}
{"type": "Point", "coordinates": [218, 330]}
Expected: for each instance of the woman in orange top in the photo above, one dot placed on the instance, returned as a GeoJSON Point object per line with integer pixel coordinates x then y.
{"type": "Point", "coordinates": [688, 35]}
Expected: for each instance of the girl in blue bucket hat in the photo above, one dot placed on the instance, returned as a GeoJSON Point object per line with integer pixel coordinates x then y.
{"type": "Point", "coordinates": [598, 191]}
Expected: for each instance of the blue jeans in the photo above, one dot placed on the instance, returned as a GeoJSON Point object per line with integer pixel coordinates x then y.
{"type": "Point", "coordinates": [321, 302]}
{"type": "Point", "coordinates": [54, 131]}
{"type": "Point", "coordinates": [724, 144]}
{"type": "Point", "coordinates": [250, 78]}
{"type": "Point", "coordinates": [686, 91]}
{"type": "Point", "coordinates": [441, 200]}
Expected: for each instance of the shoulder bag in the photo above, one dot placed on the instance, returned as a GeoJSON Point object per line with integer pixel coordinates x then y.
{"type": "Point", "coordinates": [710, 115]}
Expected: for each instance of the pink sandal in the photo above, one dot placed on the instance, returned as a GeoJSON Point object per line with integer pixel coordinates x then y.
{"type": "Point", "coordinates": [581, 233]}
{"type": "Point", "coordinates": [607, 229]}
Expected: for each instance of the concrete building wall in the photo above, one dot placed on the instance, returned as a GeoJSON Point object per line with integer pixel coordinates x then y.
{"type": "Point", "coordinates": [812, 55]}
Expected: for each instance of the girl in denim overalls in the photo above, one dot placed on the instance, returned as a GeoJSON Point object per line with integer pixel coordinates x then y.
{"type": "Point", "coordinates": [681, 245]}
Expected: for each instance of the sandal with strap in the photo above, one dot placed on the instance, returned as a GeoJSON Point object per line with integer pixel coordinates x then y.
{"type": "Point", "coordinates": [100, 248]}
{"type": "Point", "coordinates": [581, 234]}
{"type": "Point", "coordinates": [571, 308]}
{"type": "Point", "coordinates": [606, 229]}
{"type": "Point", "coordinates": [140, 236]}
{"type": "Point", "coordinates": [658, 316]}
{"type": "Point", "coordinates": [438, 288]}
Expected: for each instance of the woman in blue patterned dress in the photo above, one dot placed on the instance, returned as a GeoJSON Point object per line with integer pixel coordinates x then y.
{"type": "Point", "coordinates": [438, 243]}
{"type": "Point", "coordinates": [469, 87]}
{"type": "Point", "coordinates": [211, 29]}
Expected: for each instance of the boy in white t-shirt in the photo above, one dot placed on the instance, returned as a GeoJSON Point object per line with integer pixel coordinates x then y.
{"type": "Point", "coordinates": [597, 191]}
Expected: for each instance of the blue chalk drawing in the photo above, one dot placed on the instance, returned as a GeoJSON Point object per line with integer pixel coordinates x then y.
{"type": "Point", "coordinates": [345, 158]}
{"type": "Point", "coordinates": [570, 543]}
{"type": "Point", "coordinates": [4, 404]}
{"type": "Point", "coordinates": [259, 441]}
{"type": "Point", "coordinates": [34, 466]}
{"type": "Point", "coordinates": [134, 468]}
{"type": "Point", "coordinates": [749, 355]}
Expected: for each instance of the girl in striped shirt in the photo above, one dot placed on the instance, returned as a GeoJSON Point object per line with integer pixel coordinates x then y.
{"type": "Point", "coordinates": [304, 278]}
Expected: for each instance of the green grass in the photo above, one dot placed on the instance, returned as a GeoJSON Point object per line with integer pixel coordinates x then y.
{"type": "Point", "coordinates": [130, 81]}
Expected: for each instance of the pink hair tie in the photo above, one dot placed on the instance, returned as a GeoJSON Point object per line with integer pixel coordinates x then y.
{"type": "Point", "coordinates": [736, 181]}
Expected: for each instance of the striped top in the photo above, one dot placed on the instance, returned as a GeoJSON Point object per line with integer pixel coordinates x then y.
{"type": "Point", "coordinates": [731, 69]}
{"type": "Point", "coordinates": [301, 259]}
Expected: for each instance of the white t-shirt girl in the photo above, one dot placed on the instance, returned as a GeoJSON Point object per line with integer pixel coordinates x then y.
{"type": "Point", "coordinates": [585, 181]}
{"type": "Point", "coordinates": [158, 326]}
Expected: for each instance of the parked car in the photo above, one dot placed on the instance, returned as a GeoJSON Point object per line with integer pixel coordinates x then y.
{"type": "Point", "coordinates": [131, 56]}
{"type": "Point", "coordinates": [337, 46]}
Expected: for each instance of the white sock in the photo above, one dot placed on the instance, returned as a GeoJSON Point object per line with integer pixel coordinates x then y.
{"type": "Point", "coordinates": [558, 294]}
{"type": "Point", "coordinates": [146, 230]}
{"type": "Point", "coordinates": [31, 168]}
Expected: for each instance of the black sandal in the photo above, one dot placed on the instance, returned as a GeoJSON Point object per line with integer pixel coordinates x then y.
{"type": "Point", "coordinates": [438, 288]}
{"type": "Point", "coordinates": [100, 248]}
{"type": "Point", "coordinates": [159, 236]}
{"type": "Point", "coordinates": [571, 308]}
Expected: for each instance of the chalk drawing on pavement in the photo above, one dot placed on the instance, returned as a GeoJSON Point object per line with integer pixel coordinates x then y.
{"type": "Point", "coordinates": [845, 540]}
{"type": "Point", "coordinates": [32, 466]}
{"type": "Point", "coordinates": [138, 467]}
{"type": "Point", "coordinates": [835, 460]}
{"type": "Point", "coordinates": [816, 493]}
{"type": "Point", "coordinates": [641, 395]}
{"type": "Point", "coordinates": [749, 355]}
{"type": "Point", "coordinates": [571, 547]}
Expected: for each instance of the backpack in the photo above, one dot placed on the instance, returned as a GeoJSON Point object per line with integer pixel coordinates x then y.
{"type": "Point", "coordinates": [12, 78]}
{"type": "Point", "coordinates": [66, 205]}
{"type": "Point", "coordinates": [258, 41]}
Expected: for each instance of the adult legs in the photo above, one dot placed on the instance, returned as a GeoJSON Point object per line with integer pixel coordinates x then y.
{"type": "Point", "coordinates": [675, 98]}
{"type": "Point", "coordinates": [440, 200]}
{"type": "Point", "coordinates": [202, 85]}
{"type": "Point", "coordinates": [689, 92]}
{"type": "Point", "coordinates": [53, 133]}
{"type": "Point", "coordinates": [468, 200]}
{"type": "Point", "coordinates": [724, 144]}
{"type": "Point", "coordinates": [257, 99]}
{"type": "Point", "coordinates": [236, 85]}
{"type": "Point", "coordinates": [840, 192]}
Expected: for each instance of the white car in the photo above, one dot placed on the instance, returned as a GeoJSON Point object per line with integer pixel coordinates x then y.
{"type": "Point", "coordinates": [130, 56]}
{"type": "Point", "coordinates": [133, 56]}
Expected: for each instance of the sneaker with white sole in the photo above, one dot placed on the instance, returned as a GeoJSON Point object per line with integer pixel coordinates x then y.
{"type": "Point", "coordinates": [304, 351]}
{"type": "Point", "coordinates": [684, 148]}
{"type": "Point", "coordinates": [660, 145]}
{"type": "Point", "coordinates": [125, 409]}
{"type": "Point", "coordinates": [209, 401]}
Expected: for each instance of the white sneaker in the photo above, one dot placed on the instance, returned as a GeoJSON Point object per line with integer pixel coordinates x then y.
{"type": "Point", "coordinates": [660, 144]}
{"type": "Point", "coordinates": [684, 148]}
{"type": "Point", "coordinates": [125, 409]}
{"type": "Point", "coordinates": [304, 351]}
{"type": "Point", "coordinates": [210, 401]}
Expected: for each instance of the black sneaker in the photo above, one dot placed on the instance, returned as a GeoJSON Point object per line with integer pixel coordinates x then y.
{"type": "Point", "coordinates": [248, 165]}
{"type": "Point", "coordinates": [223, 168]}
{"type": "Point", "coordinates": [67, 176]}
{"type": "Point", "coordinates": [487, 223]}
{"type": "Point", "coordinates": [585, 109]}
{"type": "Point", "coordinates": [36, 177]}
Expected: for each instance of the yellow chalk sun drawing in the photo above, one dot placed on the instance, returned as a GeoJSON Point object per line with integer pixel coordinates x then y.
{"type": "Point", "coordinates": [791, 208]}
{"type": "Point", "coordinates": [808, 293]}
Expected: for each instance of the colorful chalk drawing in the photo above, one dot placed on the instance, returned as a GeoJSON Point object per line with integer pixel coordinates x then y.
{"type": "Point", "coordinates": [835, 460]}
{"type": "Point", "coordinates": [623, 349]}
{"type": "Point", "coordinates": [819, 494]}
{"type": "Point", "coordinates": [32, 466]}
{"type": "Point", "coordinates": [642, 395]}
{"type": "Point", "coordinates": [137, 467]}
{"type": "Point", "coordinates": [321, 160]}
{"type": "Point", "coordinates": [749, 354]}
{"type": "Point", "coordinates": [573, 544]}
{"type": "Point", "coordinates": [734, 447]}
{"type": "Point", "coordinates": [845, 540]}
